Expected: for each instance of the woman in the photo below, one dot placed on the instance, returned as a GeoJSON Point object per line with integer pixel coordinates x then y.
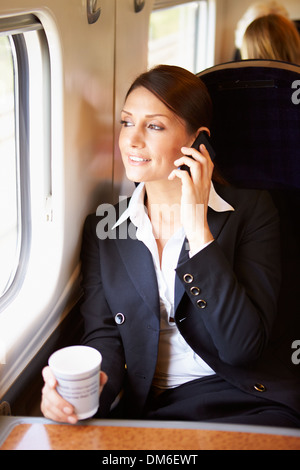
{"type": "Point", "coordinates": [180, 294]}
{"type": "Point", "coordinates": [273, 37]}
{"type": "Point", "coordinates": [256, 10]}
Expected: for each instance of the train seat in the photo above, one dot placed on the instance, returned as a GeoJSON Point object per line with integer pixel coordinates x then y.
{"type": "Point", "coordinates": [256, 131]}
{"type": "Point", "coordinates": [256, 136]}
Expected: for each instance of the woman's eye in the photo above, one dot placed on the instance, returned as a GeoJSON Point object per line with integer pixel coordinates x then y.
{"type": "Point", "coordinates": [156, 127]}
{"type": "Point", "coordinates": [126, 123]}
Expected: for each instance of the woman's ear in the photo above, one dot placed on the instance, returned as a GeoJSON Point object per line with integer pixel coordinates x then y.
{"type": "Point", "coordinates": [195, 135]}
{"type": "Point", "coordinates": [202, 129]}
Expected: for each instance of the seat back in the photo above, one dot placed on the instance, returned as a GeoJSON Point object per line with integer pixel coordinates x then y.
{"type": "Point", "coordinates": [256, 135]}
{"type": "Point", "coordinates": [256, 126]}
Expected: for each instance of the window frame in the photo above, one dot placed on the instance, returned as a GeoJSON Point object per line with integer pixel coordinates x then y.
{"type": "Point", "coordinates": [204, 31]}
{"type": "Point", "coordinates": [15, 28]}
{"type": "Point", "coordinates": [160, 4]}
{"type": "Point", "coordinates": [45, 291]}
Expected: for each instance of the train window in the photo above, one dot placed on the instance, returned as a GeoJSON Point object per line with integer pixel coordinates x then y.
{"type": "Point", "coordinates": [9, 181]}
{"type": "Point", "coordinates": [182, 33]}
{"type": "Point", "coordinates": [31, 302]}
{"type": "Point", "coordinates": [16, 51]}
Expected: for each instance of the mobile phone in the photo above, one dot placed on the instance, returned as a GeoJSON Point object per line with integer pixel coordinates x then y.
{"type": "Point", "coordinates": [202, 138]}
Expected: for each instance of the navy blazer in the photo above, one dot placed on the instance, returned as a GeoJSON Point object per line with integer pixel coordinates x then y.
{"type": "Point", "coordinates": [229, 323]}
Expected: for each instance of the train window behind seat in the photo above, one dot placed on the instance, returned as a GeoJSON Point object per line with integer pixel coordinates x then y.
{"type": "Point", "coordinates": [182, 33]}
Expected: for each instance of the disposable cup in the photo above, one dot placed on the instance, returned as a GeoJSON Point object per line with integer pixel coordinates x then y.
{"type": "Point", "coordinates": [76, 369]}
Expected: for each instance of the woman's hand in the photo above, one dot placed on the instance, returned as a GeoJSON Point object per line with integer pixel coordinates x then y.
{"type": "Point", "coordinates": [53, 406]}
{"type": "Point", "coordinates": [195, 195]}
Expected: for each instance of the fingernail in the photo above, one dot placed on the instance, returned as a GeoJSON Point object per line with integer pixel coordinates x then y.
{"type": "Point", "coordinates": [72, 420]}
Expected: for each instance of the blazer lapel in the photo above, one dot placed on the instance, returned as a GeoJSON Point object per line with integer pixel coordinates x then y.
{"type": "Point", "coordinates": [139, 265]}
{"type": "Point", "coordinates": [216, 221]}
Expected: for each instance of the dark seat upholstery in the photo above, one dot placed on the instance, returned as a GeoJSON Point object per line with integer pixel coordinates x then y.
{"type": "Point", "coordinates": [256, 128]}
{"type": "Point", "coordinates": [256, 135]}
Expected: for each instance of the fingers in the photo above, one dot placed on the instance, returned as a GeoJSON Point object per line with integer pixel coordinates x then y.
{"type": "Point", "coordinates": [49, 377]}
{"type": "Point", "coordinates": [204, 170]}
{"type": "Point", "coordinates": [202, 156]}
{"type": "Point", "coordinates": [181, 174]}
{"type": "Point", "coordinates": [191, 151]}
{"type": "Point", "coordinates": [53, 406]}
{"type": "Point", "coordinates": [103, 380]}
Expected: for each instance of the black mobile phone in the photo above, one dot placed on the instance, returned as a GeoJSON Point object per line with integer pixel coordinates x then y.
{"type": "Point", "coordinates": [202, 138]}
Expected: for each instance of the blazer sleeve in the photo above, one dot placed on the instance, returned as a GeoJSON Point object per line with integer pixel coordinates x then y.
{"type": "Point", "coordinates": [238, 277]}
{"type": "Point", "coordinates": [100, 330]}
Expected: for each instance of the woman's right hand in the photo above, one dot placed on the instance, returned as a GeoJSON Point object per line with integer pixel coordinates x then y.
{"type": "Point", "coordinates": [195, 195]}
{"type": "Point", "coordinates": [53, 406]}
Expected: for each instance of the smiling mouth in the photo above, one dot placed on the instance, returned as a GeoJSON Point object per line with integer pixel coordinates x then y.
{"type": "Point", "coordinates": [138, 159]}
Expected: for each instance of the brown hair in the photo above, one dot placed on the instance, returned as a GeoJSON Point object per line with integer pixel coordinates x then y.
{"type": "Point", "coordinates": [183, 93]}
{"type": "Point", "coordinates": [272, 37]}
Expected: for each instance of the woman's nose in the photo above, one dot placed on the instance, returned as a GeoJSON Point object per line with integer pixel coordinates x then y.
{"type": "Point", "coordinates": [136, 138]}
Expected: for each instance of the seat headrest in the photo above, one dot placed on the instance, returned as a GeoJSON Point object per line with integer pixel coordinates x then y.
{"type": "Point", "coordinates": [256, 124]}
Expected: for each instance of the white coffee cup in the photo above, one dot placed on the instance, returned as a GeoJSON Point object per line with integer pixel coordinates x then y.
{"type": "Point", "coordinates": [76, 369]}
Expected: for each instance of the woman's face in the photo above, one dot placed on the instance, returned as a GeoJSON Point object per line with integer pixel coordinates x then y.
{"type": "Point", "coordinates": [151, 137]}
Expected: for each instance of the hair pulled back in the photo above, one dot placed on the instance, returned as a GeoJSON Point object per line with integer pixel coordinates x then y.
{"type": "Point", "coordinates": [181, 91]}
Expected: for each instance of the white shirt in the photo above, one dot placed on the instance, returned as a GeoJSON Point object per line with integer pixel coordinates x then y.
{"type": "Point", "coordinates": [177, 363]}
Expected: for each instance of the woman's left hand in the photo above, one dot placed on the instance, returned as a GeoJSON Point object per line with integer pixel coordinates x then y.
{"type": "Point", "coordinates": [195, 194]}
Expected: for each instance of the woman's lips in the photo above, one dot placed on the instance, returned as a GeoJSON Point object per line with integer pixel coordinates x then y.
{"type": "Point", "coordinates": [136, 160]}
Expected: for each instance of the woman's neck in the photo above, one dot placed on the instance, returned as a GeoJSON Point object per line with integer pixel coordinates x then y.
{"type": "Point", "coordinates": [164, 210]}
{"type": "Point", "coordinates": [163, 192]}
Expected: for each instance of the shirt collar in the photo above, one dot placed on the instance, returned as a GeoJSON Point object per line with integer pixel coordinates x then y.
{"type": "Point", "coordinates": [135, 209]}
{"type": "Point", "coordinates": [216, 203]}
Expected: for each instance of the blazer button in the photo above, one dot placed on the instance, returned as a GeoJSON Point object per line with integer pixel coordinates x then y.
{"type": "Point", "coordinates": [119, 318]}
{"type": "Point", "coordinates": [259, 387]}
{"type": "Point", "coordinates": [188, 278]}
{"type": "Point", "coordinates": [201, 303]}
{"type": "Point", "coordinates": [195, 291]}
